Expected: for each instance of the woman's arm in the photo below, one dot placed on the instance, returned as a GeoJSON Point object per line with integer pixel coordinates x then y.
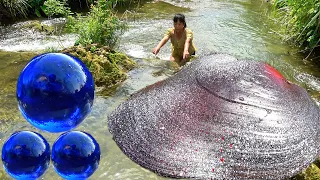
{"type": "Point", "coordinates": [186, 49]}
{"type": "Point", "coordinates": [161, 43]}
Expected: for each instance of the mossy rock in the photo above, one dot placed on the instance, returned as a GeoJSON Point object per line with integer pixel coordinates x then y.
{"type": "Point", "coordinates": [317, 162]}
{"type": "Point", "coordinates": [311, 173]}
{"type": "Point", "coordinates": [36, 25]}
{"type": "Point", "coordinates": [108, 67]}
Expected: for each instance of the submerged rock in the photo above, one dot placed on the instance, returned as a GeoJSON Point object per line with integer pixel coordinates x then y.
{"type": "Point", "coordinates": [220, 118]}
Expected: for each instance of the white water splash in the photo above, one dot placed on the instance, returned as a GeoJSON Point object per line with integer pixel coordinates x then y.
{"type": "Point", "coordinates": [17, 37]}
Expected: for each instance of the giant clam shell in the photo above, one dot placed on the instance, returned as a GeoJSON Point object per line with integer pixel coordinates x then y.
{"type": "Point", "coordinates": [220, 118]}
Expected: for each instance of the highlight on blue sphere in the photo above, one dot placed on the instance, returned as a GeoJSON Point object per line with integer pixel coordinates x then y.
{"type": "Point", "coordinates": [26, 155]}
{"type": "Point", "coordinates": [75, 155]}
{"type": "Point", "coordinates": [55, 92]}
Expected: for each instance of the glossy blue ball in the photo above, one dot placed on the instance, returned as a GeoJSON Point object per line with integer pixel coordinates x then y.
{"type": "Point", "coordinates": [75, 155]}
{"type": "Point", "coordinates": [26, 155]}
{"type": "Point", "coordinates": [55, 92]}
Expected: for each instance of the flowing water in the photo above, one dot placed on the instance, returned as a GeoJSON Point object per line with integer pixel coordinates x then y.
{"type": "Point", "coordinates": [237, 27]}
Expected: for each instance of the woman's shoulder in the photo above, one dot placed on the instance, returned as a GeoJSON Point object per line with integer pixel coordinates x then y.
{"type": "Point", "coordinates": [188, 30]}
{"type": "Point", "coordinates": [170, 29]}
{"type": "Point", "coordinates": [169, 32]}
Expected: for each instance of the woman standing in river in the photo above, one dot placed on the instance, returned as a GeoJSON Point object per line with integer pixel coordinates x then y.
{"type": "Point", "coordinates": [181, 37]}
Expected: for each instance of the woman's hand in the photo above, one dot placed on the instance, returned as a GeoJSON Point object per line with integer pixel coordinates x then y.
{"type": "Point", "coordinates": [186, 55]}
{"type": "Point", "coordinates": [161, 43]}
{"type": "Point", "coordinates": [155, 50]}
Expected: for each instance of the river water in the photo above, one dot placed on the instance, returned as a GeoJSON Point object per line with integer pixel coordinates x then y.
{"type": "Point", "coordinates": [237, 27]}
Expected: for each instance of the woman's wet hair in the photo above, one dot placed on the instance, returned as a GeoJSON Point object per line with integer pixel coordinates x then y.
{"type": "Point", "coordinates": [180, 18]}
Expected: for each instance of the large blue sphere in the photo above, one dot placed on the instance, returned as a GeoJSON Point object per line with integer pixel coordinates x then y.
{"type": "Point", "coordinates": [75, 155]}
{"type": "Point", "coordinates": [55, 92]}
{"type": "Point", "coordinates": [26, 155]}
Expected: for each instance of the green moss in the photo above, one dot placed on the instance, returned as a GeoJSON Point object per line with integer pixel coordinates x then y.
{"type": "Point", "coordinates": [311, 173]}
{"type": "Point", "coordinates": [317, 162]}
{"type": "Point", "coordinates": [109, 68]}
{"type": "Point", "coordinates": [36, 25]}
{"type": "Point", "coordinates": [156, 10]}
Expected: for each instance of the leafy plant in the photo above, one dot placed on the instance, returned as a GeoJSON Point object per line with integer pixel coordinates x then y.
{"type": "Point", "coordinates": [14, 8]}
{"type": "Point", "coordinates": [93, 49]}
{"type": "Point", "coordinates": [101, 26]}
{"type": "Point", "coordinates": [56, 8]}
{"type": "Point", "coordinates": [300, 19]}
{"type": "Point", "coordinates": [37, 5]}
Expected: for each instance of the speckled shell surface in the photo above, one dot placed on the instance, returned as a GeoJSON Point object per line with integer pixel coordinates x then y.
{"type": "Point", "coordinates": [220, 118]}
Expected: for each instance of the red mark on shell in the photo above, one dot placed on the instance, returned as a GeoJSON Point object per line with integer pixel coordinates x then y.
{"type": "Point", "coordinates": [273, 71]}
{"type": "Point", "coordinates": [222, 159]}
{"type": "Point", "coordinates": [196, 149]}
{"type": "Point", "coordinates": [212, 169]}
{"type": "Point", "coordinates": [230, 145]}
{"type": "Point", "coordinates": [222, 138]}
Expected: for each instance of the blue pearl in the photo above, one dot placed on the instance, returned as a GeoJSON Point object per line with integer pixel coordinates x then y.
{"type": "Point", "coordinates": [55, 92]}
{"type": "Point", "coordinates": [75, 155]}
{"type": "Point", "coordinates": [26, 155]}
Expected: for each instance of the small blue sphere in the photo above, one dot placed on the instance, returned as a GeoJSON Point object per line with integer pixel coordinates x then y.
{"type": "Point", "coordinates": [75, 155]}
{"type": "Point", "coordinates": [55, 92]}
{"type": "Point", "coordinates": [26, 155]}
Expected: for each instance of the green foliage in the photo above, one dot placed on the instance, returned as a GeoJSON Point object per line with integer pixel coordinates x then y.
{"type": "Point", "coordinates": [300, 19]}
{"type": "Point", "coordinates": [93, 49]}
{"type": "Point", "coordinates": [101, 26]}
{"type": "Point", "coordinates": [14, 8]}
{"type": "Point", "coordinates": [56, 8]}
{"type": "Point", "coordinates": [36, 5]}
{"type": "Point", "coordinates": [280, 3]}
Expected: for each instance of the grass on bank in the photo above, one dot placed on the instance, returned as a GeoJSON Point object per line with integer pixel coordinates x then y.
{"type": "Point", "coordinates": [300, 21]}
